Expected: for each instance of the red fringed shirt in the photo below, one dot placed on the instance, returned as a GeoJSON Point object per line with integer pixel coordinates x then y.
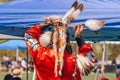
{"type": "Point", "coordinates": [44, 58]}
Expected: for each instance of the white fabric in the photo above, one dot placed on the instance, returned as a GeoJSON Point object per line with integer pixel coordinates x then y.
{"type": "Point", "coordinates": [45, 38]}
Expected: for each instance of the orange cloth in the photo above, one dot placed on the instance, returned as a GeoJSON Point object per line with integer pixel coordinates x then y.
{"type": "Point", "coordinates": [44, 60]}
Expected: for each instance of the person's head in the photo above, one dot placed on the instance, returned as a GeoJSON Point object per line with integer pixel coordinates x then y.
{"type": "Point", "coordinates": [52, 19]}
{"type": "Point", "coordinates": [8, 77]}
{"type": "Point", "coordinates": [16, 72]}
{"type": "Point", "coordinates": [59, 29]}
{"type": "Point", "coordinates": [46, 38]}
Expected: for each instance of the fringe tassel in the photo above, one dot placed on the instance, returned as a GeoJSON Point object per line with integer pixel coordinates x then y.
{"type": "Point", "coordinates": [85, 66]}
{"type": "Point", "coordinates": [55, 38]}
{"type": "Point", "coordinates": [59, 44]}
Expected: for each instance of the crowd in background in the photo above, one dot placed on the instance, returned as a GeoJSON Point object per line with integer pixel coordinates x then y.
{"type": "Point", "coordinates": [21, 65]}
{"type": "Point", "coordinates": [9, 64]}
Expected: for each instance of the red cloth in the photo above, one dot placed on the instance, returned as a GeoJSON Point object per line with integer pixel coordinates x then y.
{"type": "Point", "coordinates": [118, 78]}
{"type": "Point", "coordinates": [44, 60]}
{"type": "Point", "coordinates": [85, 48]}
{"type": "Point", "coordinates": [102, 78]}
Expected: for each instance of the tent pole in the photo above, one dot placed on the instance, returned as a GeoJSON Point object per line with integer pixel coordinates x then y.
{"type": "Point", "coordinates": [34, 74]}
{"type": "Point", "coordinates": [97, 72]}
{"type": "Point", "coordinates": [103, 59]}
{"type": "Point", "coordinates": [17, 52]}
{"type": "Point", "coordinates": [27, 66]}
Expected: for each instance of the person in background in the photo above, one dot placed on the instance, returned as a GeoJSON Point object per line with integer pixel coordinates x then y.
{"type": "Point", "coordinates": [39, 42]}
{"type": "Point", "coordinates": [16, 73]}
{"type": "Point", "coordinates": [118, 67]}
{"type": "Point", "coordinates": [118, 76]}
{"type": "Point", "coordinates": [24, 64]}
{"type": "Point", "coordinates": [8, 77]}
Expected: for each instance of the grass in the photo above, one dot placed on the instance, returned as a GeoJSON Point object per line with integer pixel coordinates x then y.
{"type": "Point", "coordinates": [110, 76]}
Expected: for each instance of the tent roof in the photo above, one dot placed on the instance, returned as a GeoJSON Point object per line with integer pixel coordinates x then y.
{"type": "Point", "coordinates": [21, 14]}
{"type": "Point", "coordinates": [13, 45]}
{"type": "Point", "coordinates": [4, 36]}
{"type": "Point", "coordinates": [50, 4]}
{"type": "Point", "coordinates": [29, 12]}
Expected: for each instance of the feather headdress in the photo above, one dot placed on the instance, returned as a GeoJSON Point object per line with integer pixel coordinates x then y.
{"type": "Point", "coordinates": [59, 33]}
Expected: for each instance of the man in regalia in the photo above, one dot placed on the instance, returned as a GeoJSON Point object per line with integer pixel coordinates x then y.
{"type": "Point", "coordinates": [39, 40]}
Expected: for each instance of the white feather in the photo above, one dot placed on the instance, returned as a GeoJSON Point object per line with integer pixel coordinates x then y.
{"type": "Point", "coordinates": [69, 12]}
{"type": "Point", "coordinates": [45, 38]}
{"type": "Point", "coordinates": [94, 24]}
{"type": "Point", "coordinates": [64, 19]}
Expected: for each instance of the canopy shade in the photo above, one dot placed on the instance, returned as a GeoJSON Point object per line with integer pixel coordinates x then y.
{"type": "Point", "coordinates": [21, 14]}
{"type": "Point", "coordinates": [13, 45]}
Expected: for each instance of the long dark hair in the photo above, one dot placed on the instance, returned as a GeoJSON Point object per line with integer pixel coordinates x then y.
{"type": "Point", "coordinates": [68, 46]}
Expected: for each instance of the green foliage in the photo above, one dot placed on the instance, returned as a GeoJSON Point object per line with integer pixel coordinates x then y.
{"type": "Point", "coordinates": [73, 47]}
{"type": "Point", "coordinates": [1, 41]}
{"type": "Point", "coordinates": [2, 1]}
{"type": "Point", "coordinates": [114, 50]}
{"type": "Point", "coordinates": [12, 53]}
{"type": "Point", "coordinates": [97, 48]}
